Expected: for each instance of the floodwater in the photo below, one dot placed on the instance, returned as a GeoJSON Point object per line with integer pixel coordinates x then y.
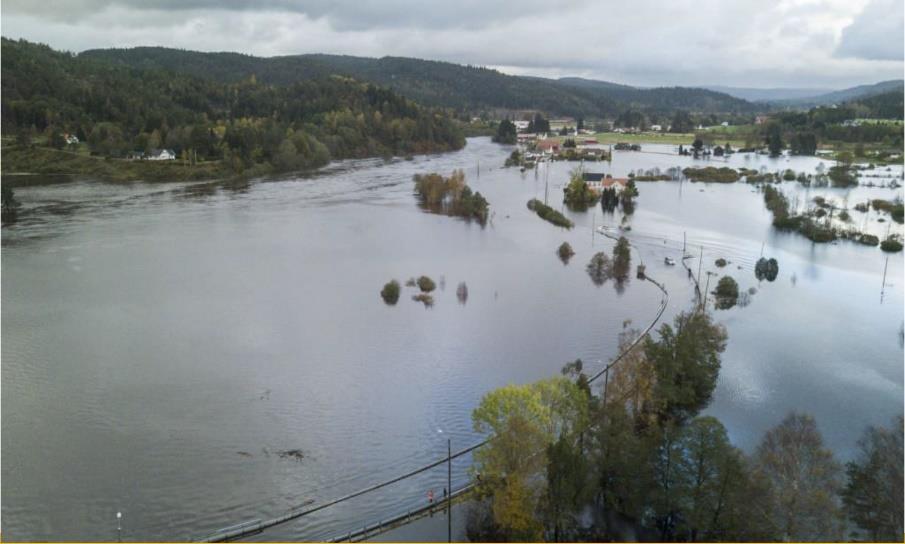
{"type": "Point", "coordinates": [163, 343]}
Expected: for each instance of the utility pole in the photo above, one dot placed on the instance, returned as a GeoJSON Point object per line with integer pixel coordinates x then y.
{"type": "Point", "coordinates": [449, 490]}
{"type": "Point", "coordinates": [546, 180]}
{"type": "Point", "coordinates": [684, 238]}
{"type": "Point", "coordinates": [883, 288]}
{"type": "Point", "coordinates": [700, 264]}
{"type": "Point", "coordinates": [706, 291]}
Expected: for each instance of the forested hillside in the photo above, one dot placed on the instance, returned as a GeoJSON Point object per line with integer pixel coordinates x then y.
{"type": "Point", "coordinates": [119, 110]}
{"type": "Point", "coordinates": [886, 105]}
{"type": "Point", "coordinates": [465, 88]}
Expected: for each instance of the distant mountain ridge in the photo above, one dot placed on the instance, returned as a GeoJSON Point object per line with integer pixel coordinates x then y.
{"type": "Point", "coordinates": [844, 95]}
{"type": "Point", "coordinates": [754, 94]}
{"type": "Point", "coordinates": [435, 83]}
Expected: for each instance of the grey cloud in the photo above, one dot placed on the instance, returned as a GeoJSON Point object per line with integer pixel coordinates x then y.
{"type": "Point", "coordinates": [341, 14]}
{"type": "Point", "coordinates": [647, 42]}
{"type": "Point", "coordinates": [876, 34]}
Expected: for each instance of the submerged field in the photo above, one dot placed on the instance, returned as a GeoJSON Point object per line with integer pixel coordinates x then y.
{"type": "Point", "coordinates": [164, 344]}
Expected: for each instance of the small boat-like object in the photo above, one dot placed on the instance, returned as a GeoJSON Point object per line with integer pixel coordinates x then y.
{"type": "Point", "coordinates": [669, 261]}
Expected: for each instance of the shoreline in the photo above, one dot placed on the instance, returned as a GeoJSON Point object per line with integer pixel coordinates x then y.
{"type": "Point", "coordinates": [37, 162]}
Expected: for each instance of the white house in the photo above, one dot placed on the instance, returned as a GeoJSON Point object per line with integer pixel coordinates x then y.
{"type": "Point", "coordinates": [521, 125]}
{"type": "Point", "coordinates": [656, 128]}
{"type": "Point", "coordinates": [724, 124]}
{"type": "Point", "coordinates": [598, 182]}
{"type": "Point", "coordinates": [161, 155]}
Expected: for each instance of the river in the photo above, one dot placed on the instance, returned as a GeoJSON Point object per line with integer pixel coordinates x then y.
{"type": "Point", "coordinates": [163, 343]}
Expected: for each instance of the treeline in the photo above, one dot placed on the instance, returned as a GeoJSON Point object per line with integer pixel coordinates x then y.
{"type": "Point", "coordinates": [633, 459]}
{"type": "Point", "coordinates": [120, 110]}
{"type": "Point", "coordinates": [802, 131]}
{"type": "Point", "coordinates": [471, 89]}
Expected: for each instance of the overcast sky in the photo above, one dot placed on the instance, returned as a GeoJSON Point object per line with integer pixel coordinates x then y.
{"type": "Point", "coordinates": [749, 43]}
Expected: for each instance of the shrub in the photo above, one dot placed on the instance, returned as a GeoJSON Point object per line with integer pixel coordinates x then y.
{"type": "Point", "coordinates": [816, 232]}
{"type": "Point", "coordinates": [425, 299]}
{"type": "Point", "coordinates": [549, 214]}
{"type": "Point", "coordinates": [891, 245]}
{"type": "Point", "coordinates": [426, 284]}
{"type": "Point", "coordinates": [515, 159]}
{"type": "Point", "coordinates": [721, 262]}
{"type": "Point", "coordinates": [710, 173]}
{"type": "Point", "coordinates": [895, 209]}
{"type": "Point", "coordinates": [868, 239]}
{"type": "Point", "coordinates": [390, 292]}
{"type": "Point", "coordinates": [842, 176]}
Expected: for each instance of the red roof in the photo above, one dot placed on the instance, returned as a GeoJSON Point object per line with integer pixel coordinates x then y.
{"type": "Point", "coordinates": [609, 182]}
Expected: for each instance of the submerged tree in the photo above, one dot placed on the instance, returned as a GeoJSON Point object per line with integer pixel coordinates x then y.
{"type": "Point", "coordinates": [686, 359]}
{"type": "Point", "coordinates": [622, 259]}
{"type": "Point", "coordinates": [726, 293]}
{"type": "Point", "coordinates": [450, 196]}
{"type": "Point", "coordinates": [390, 292]}
{"type": "Point", "coordinates": [462, 293]}
{"type": "Point", "coordinates": [599, 268]}
{"type": "Point", "coordinates": [766, 269]}
{"type": "Point", "coordinates": [426, 284]}
{"type": "Point", "coordinates": [578, 195]}
{"type": "Point", "coordinates": [565, 252]}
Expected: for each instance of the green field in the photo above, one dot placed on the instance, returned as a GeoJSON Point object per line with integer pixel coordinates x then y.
{"type": "Point", "coordinates": [668, 138]}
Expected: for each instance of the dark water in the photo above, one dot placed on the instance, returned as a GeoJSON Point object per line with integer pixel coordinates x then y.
{"type": "Point", "coordinates": [161, 343]}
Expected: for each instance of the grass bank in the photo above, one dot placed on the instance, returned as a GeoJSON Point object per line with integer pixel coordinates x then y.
{"type": "Point", "coordinates": [49, 161]}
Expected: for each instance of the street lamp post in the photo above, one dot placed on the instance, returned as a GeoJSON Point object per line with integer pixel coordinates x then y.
{"type": "Point", "coordinates": [119, 527]}
{"type": "Point", "coordinates": [449, 490]}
